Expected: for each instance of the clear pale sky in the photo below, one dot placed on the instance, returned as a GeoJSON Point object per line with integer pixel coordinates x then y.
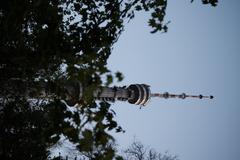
{"type": "Point", "coordinates": [200, 54]}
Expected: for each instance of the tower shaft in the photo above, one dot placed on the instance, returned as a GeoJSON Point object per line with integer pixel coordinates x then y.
{"type": "Point", "coordinates": [112, 94]}
{"type": "Point", "coordinates": [138, 94]}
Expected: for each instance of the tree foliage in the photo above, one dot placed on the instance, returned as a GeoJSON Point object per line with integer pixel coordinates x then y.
{"type": "Point", "coordinates": [50, 41]}
{"type": "Point", "coordinates": [137, 151]}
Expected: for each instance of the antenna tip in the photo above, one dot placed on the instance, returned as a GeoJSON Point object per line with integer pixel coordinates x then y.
{"type": "Point", "coordinates": [211, 97]}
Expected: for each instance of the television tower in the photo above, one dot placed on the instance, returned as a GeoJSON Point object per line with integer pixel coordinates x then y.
{"type": "Point", "coordinates": [138, 94]}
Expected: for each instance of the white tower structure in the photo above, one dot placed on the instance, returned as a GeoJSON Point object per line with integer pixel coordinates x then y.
{"type": "Point", "coordinates": [138, 94]}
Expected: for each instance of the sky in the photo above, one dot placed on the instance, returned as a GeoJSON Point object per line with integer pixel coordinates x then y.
{"type": "Point", "coordinates": [200, 54]}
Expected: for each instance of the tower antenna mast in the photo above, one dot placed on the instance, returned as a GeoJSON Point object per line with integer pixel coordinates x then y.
{"type": "Point", "coordinates": [167, 95]}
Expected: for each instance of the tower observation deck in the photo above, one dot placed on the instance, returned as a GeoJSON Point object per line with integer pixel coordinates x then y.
{"type": "Point", "coordinates": [138, 94]}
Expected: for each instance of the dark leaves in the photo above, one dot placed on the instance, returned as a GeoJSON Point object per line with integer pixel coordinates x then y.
{"type": "Point", "coordinates": [119, 76]}
{"type": "Point", "coordinates": [86, 143]}
{"type": "Point", "coordinates": [211, 2]}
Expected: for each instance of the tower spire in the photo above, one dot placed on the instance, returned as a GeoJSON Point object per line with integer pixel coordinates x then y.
{"type": "Point", "coordinates": [167, 95]}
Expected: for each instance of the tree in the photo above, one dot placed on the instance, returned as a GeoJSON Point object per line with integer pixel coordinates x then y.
{"type": "Point", "coordinates": [53, 42]}
{"type": "Point", "coordinates": [137, 151]}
